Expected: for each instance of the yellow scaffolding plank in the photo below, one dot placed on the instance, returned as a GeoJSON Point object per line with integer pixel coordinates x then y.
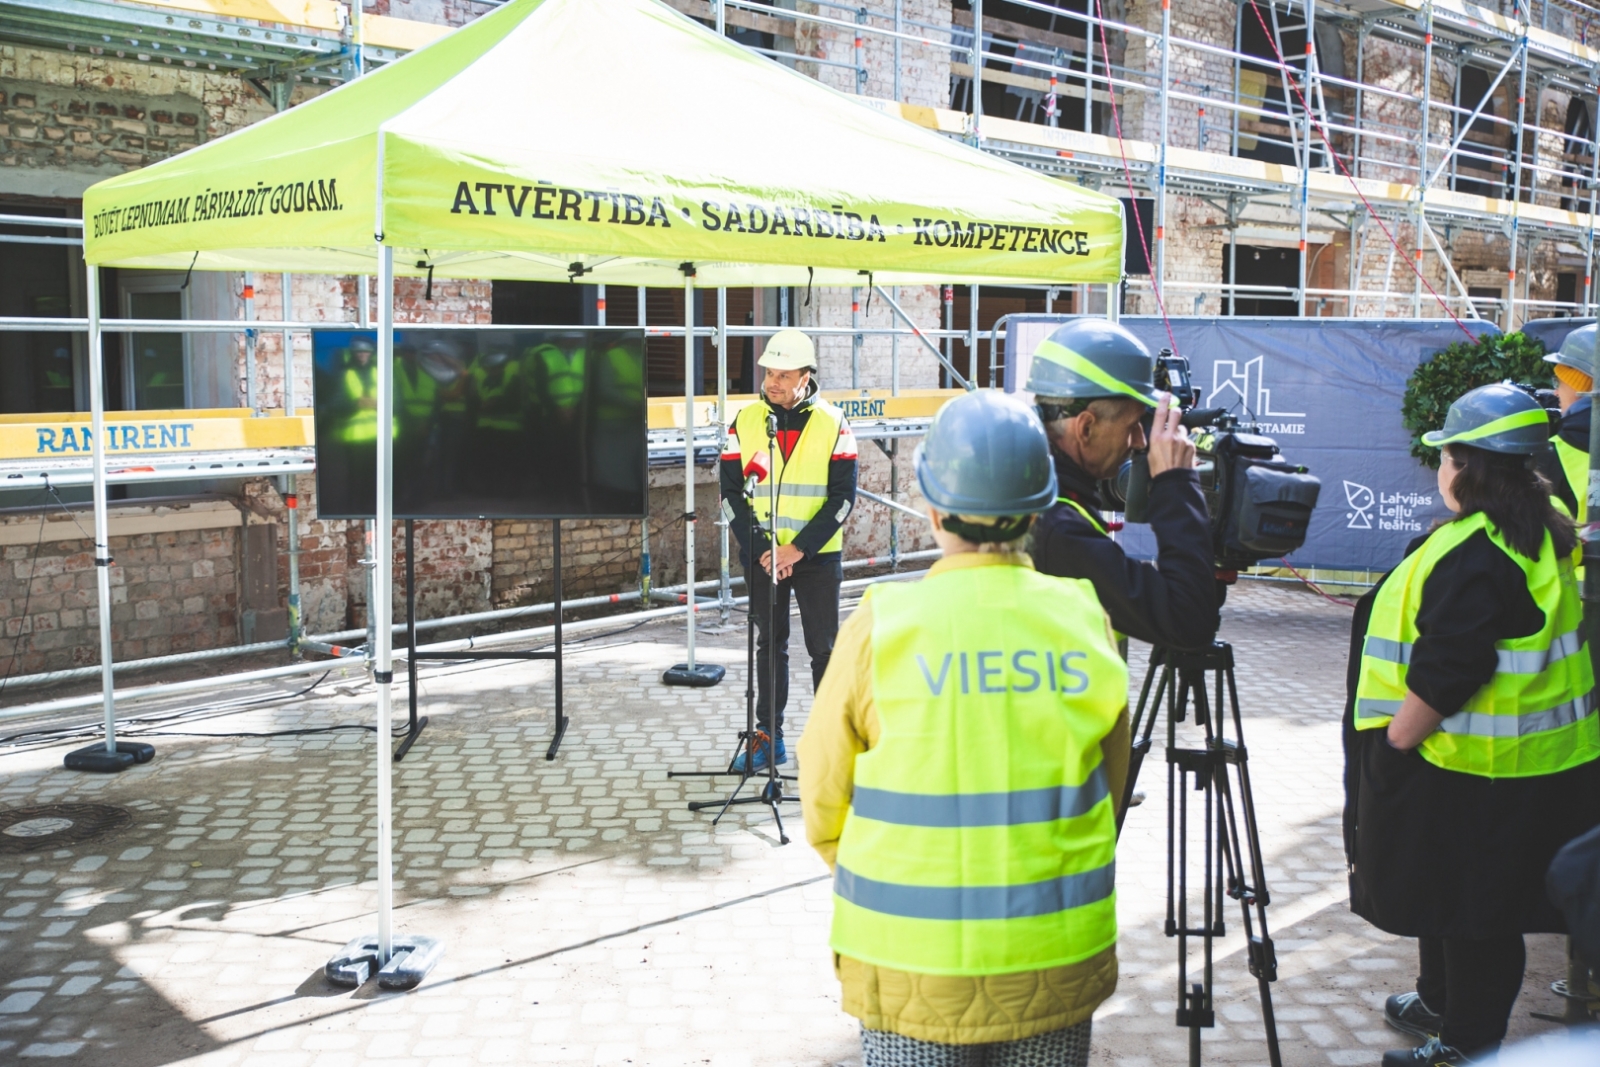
{"type": "Point", "coordinates": [128, 433]}
{"type": "Point", "coordinates": [403, 35]}
{"type": "Point", "coordinates": [667, 414]}
{"type": "Point", "coordinates": [311, 14]}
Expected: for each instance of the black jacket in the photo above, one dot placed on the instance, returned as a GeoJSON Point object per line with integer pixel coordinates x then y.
{"type": "Point", "coordinates": [1172, 602]}
{"type": "Point", "coordinates": [835, 508]}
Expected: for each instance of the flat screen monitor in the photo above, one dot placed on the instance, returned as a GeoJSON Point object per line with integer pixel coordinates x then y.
{"type": "Point", "coordinates": [499, 424]}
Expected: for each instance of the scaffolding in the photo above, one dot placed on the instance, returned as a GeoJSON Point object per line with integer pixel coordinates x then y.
{"type": "Point", "coordinates": [1296, 144]}
{"type": "Point", "coordinates": [1306, 150]}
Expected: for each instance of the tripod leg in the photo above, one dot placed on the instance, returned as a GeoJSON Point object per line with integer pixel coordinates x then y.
{"type": "Point", "coordinates": [1145, 716]}
{"type": "Point", "coordinates": [777, 817]}
{"type": "Point", "coordinates": [726, 804]}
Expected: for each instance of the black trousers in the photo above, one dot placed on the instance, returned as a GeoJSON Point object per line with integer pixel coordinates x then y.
{"type": "Point", "coordinates": [1473, 984]}
{"type": "Point", "coordinates": [814, 584]}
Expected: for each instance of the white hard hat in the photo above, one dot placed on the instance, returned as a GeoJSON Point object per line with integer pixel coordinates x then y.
{"type": "Point", "coordinates": [789, 350]}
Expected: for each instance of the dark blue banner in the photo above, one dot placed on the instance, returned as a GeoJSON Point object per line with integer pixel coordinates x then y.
{"type": "Point", "coordinates": [1329, 391]}
{"type": "Point", "coordinates": [1551, 332]}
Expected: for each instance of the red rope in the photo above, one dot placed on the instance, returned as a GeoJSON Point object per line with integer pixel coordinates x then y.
{"type": "Point", "coordinates": [1314, 587]}
{"type": "Point", "coordinates": [1322, 132]}
{"type": "Point", "coordinates": [1127, 173]}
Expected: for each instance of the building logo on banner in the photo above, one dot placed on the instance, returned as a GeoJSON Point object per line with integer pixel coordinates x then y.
{"type": "Point", "coordinates": [1395, 511]}
{"type": "Point", "coordinates": [1246, 387]}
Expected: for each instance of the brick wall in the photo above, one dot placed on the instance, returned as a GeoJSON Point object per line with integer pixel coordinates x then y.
{"type": "Point", "coordinates": [170, 592]}
{"type": "Point", "coordinates": [45, 126]}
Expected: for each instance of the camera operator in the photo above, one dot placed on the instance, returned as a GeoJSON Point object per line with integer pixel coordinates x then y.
{"type": "Point", "coordinates": [1567, 465]}
{"type": "Point", "coordinates": [1094, 384]}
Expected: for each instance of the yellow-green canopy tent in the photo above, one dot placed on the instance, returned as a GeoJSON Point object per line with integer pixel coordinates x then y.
{"type": "Point", "coordinates": [615, 135]}
{"type": "Point", "coordinates": [614, 141]}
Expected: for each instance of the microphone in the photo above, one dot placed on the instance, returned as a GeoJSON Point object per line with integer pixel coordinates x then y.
{"type": "Point", "coordinates": [756, 471]}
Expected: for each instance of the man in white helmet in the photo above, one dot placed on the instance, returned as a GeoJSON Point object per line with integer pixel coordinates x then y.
{"type": "Point", "coordinates": [812, 458]}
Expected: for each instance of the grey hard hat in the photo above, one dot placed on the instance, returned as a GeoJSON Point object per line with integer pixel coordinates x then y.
{"type": "Point", "coordinates": [1577, 351]}
{"type": "Point", "coordinates": [986, 454]}
{"type": "Point", "coordinates": [1495, 418]}
{"type": "Point", "coordinates": [1091, 357]}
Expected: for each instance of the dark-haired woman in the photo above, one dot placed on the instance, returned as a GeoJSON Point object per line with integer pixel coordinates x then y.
{"type": "Point", "coordinates": [1471, 735]}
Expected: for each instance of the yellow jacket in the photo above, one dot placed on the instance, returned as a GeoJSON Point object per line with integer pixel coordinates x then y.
{"type": "Point", "coordinates": [949, 1009]}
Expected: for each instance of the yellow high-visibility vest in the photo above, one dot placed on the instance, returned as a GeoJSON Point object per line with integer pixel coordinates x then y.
{"type": "Point", "coordinates": [1095, 520]}
{"type": "Point", "coordinates": [1575, 465]}
{"type": "Point", "coordinates": [802, 478]}
{"type": "Point", "coordinates": [416, 391]}
{"type": "Point", "coordinates": [361, 425]}
{"type": "Point", "coordinates": [1536, 716]}
{"type": "Point", "coordinates": [563, 376]}
{"type": "Point", "coordinates": [982, 831]}
{"type": "Point", "coordinates": [499, 403]}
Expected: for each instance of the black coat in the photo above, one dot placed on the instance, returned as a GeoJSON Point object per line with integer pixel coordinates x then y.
{"type": "Point", "coordinates": [1172, 602]}
{"type": "Point", "coordinates": [1440, 853]}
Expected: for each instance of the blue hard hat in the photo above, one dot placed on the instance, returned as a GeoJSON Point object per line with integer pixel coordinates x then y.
{"type": "Point", "coordinates": [1495, 418]}
{"type": "Point", "coordinates": [1092, 357]}
{"type": "Point", "coordinates": [986, 454]}
{"type": "Point", "coordinates": [1577, 351]}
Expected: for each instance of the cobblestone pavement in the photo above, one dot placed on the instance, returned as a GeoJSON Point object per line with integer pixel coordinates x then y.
{"type": "Point", "coordinates": [589, 918]}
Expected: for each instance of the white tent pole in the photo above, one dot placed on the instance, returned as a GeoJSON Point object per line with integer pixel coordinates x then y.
{"type": "Point", "coordinates": [102, 537]}
{"type": "Point", "coordinates": [688, 456]}
{"type": "Point", "coordinates": [288, 346]}
{"type": "Point", "coordinates": [382, 595]}
{"type": "Point", "coordinates": [724, 586]}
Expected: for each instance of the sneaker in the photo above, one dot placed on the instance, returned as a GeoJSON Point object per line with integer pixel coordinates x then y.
{"type": "Point", "coordinates": [1433, 1054]}
{"type": "Point", "coordinates": [1407, 1013]}
{"type": "Point", "coordinates": [760, 762]}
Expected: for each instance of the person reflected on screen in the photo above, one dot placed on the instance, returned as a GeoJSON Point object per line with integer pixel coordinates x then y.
{"type": "Point", "coordinates": [497, 412]}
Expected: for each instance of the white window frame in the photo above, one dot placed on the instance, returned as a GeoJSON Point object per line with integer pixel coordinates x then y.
{"type": "Point", "coordinates": [130, 283]}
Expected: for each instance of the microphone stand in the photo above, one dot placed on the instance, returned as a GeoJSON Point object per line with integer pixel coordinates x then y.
{"type": "Point", "coordinates": [751, 737]}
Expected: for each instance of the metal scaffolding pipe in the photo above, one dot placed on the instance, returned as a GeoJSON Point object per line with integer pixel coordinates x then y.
{"type": "Point", "coordinates": [199, 685]}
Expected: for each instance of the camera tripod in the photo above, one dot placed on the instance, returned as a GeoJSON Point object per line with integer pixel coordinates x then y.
{"type": "Point", "coordinates": [751, 738]}
{"type": "Point", "coordinates": [1220, 771]}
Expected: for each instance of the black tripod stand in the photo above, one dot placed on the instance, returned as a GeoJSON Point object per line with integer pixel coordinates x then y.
{"type": "Point", "coordinates": [751, 738]}
{"type": "Point", "coordinates": [1219, 771]}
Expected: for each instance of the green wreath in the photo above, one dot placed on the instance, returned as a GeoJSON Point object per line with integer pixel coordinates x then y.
{"type": "Point", "coordinates": [1462, 367]}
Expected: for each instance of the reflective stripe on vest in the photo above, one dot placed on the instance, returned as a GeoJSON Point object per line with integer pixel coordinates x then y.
{"type": "Point", "coordinates": [981, 832]}
{"type": "Point", "coordinates": [1536, 715]}
{"type": "Point", "coordinates": [803, 478]}
{"type": "Point", "coordinates": [1575, 465]}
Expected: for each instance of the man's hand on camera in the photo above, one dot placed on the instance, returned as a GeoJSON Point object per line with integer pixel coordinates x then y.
{"type": "Point", "coordinates": [1170, 447]}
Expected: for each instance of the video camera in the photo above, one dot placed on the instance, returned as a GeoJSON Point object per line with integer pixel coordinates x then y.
{"type": "Point", "coordinates": [1547, 398]}
{"type": "Point", "coordinates": [1260, 505]}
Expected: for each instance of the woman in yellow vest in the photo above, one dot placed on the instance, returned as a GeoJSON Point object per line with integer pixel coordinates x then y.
{"type": "Point", "coordinates": [960, 772]}
{"type": "Point", "coordinates": [1471, 736]}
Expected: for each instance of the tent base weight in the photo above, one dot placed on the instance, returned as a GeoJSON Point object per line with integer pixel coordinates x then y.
{"type": "Point", "coordinates": [413, 958]}
{"type": "Point", "coordinates": [96, 758]}
{"type": "Point", "coordinates": [700, 676]}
